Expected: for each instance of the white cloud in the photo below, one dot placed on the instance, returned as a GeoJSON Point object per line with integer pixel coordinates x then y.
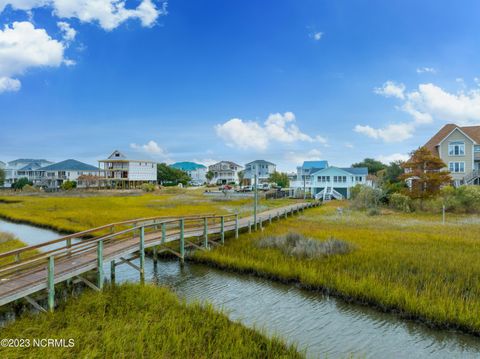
{"type": "Point", "coordinates": [151, 147]}
{"type": "Point", "coordinates": [299, 157]}
{"type": "Point", "coordinates": [422, 70]}
{"type": "Point", "coordinates": [349, 145]}
{"type": "Point", "coordinates": [392, 158]}
{"type": "Point", "coordinates": [107, 13]}
{"type": "Point", "coordinates": [250, 134]}
{"type": "Point", "coordinates": [22, 47]}
{"type": "Point", "coordinates": [317, 35]}
{"type": "Point", "coordinates": [391, 133]}
{"type": "Point", "coordinates": [9, 85]}
{"type": "Point", "coordinates": [391, 89]}
{"type": "Point", "coordinates": [68, 32]}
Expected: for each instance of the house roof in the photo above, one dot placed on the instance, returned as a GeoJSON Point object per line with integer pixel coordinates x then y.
{"type": "Point", "coordinates": [357, 171]}
{"type": "Point", "coordinates": [229, 162]}
{"type": "Point", "coordinates": [315, 164]}
{"type": "Point", "coordinates": [69, 165]}
{"type": "Point", "coordinates": [263, 162]}
{"type": "Point", "coordinates": [187, 166]}
{"type": "Point", "coordinates": [471, 131]}
{"type": "Point", "coordinates": [30, 167]}
{"type": "Point", "coordinates": [127, 156]}
{"type": "Point", "coordinates": [27, 160]}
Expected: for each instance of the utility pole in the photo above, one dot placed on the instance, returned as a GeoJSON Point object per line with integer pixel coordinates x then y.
{"type": "Point", "coordinates": [255, 198]}
{"type": "Point", "coordinates": [304, 186]}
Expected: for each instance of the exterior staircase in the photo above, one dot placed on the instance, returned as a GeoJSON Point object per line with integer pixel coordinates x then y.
{"type": "Point", "coordinates": [472, 178]}
{"type": "Point", "coordinates": [328, 193]}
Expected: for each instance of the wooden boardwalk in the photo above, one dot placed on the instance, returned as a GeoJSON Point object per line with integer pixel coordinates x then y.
{"type": "Point", "coordinates": [32, 269]}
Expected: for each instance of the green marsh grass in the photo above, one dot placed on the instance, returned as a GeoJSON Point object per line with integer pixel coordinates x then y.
{"type": "Point", "coordinates": [407, 263]}
{"type": "Point", "coordinates": [8, 243]}
{"type": "Point", "coordinates": [141, 321]}
{"type": "Point", "coordinates": [73, 212]}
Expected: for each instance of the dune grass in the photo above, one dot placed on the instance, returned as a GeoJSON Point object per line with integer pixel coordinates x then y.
{"type": "Point", "coordinates": [73, 213]}
{"type": "Point", "coordinates": [141, 321]}
{"type": "Point", "coordinates": [409, 263]}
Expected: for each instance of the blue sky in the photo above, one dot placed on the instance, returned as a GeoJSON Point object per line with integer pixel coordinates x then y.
{"type": "Point", "coordinates": [283, 80]}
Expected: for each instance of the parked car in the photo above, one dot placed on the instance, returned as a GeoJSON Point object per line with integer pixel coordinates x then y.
{"type": "Point", "coordinates": [225, 187]}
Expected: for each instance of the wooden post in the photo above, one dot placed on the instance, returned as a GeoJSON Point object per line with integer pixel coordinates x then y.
{"type": "Point", "coordinates": [443, 214]}
{"type": "Point", "coordinates": [260, 222]}
{"type": "Point", "coordinates": [164, 232]}
{"type": "Point", "coordinates": [69, 244]}
{"type": "Point", "coordinates": [205, 232]}
{"type": "Point", "coordinates": [51, 283]}
{"type": "Point", "coordinates": [155, 255]}
{"type": "Point", "coordinates": [182, 240]}
{"type": "Point", "coordinates": [112, 272]}
{"type": "Point", "coordinates": [142, 251]}
{"type": "Point", "coordinates": [249, 227]}
{"type": "Point", "coordinates": [236, 225]}
{"type": "Point", "coordinates": [222, 229]}
{"type": "Point", "coordinates": [285, 214]}
{"type": "Point", "coordinates": [100, 264]}
{"type": "Point", "coordinates": [270, 218]}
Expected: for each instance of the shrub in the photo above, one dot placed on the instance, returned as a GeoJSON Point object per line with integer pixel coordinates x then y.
{"type": "Point", "coordinates": [22, 182]}
{"type": "Point", "coordinates": [148, 187]}
{"type": "Point", "coordinates": [68, 185]}
{"type": "Point", "coordinates": [365, 197]}
{"type": "Point", "coordinates": [401, 202]}
{"type": "Point", "coordinates": [374, 211]}
{"type": "Point", "coordinates": [297, 245]}
{"type": "Point", "coordinates": [30, 188]}
{"type": "Point", "coordinates": [469, 198]}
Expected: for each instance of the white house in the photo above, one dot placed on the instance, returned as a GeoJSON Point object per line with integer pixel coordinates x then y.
{"type": "Point", "coordinates": [225, 172]}
{"type": "Point", "coordinates": [129, 171]}
{"type": "Point", "coordinates": [195, 171]}
{"type": "Point", "coordinates": [326, 182]}
{"type": "Point", "coordinates": [53, 176]}
{"type": "Point", "coordinates": [263, 169]}
{"type": "Point", "coordinates": [23, 168]}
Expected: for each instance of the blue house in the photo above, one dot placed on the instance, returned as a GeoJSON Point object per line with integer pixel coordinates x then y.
{"type": "Point", "coordinates": [196, 171]}
{"type": "Point", "coordinates": [320, 180]}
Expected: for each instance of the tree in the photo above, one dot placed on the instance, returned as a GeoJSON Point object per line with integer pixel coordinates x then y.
{"type": "Point", "coordinates": [389, 179]}
{"type": "Point", "coordinates": [209, 175]}
{"type": "Point", "coordinates": [68, 185]}
{"type": "Point", "coordinates": [424, 170]}
{"type": "Point", "coordinates": [2, 176]}
{"type": "Point", "coordinates": [280, 178]}
{"type": "Point", "coordinates": [170, 175]}
{"type": "Point", "coordinates": [21, 182]}
{"type": "Point", "coordinates": [241, 176]}
{"type": "Point", "coordinates": [373, 165]}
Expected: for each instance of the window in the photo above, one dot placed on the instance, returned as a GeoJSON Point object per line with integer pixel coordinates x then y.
{"type": "Point", "coordinates": [456, 148]}
{"type": "Point", "coordinates": [340, 179]}
{"type": "Point", "coordinates": [358, 178]}
{"type": "Point", "coordinates": [324, 178]}
{"type": "Point", "coordinates": [477, 148]}
{"type": "Point", "coordinates": [456, 167]}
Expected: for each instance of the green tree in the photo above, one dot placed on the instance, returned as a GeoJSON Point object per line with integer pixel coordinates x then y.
{"type": "Point", "coordinates": [241, 176]}
{"type": "Point", "coordinates": [280, 178]}
{"type": "Point", "coordinates": [2, 176]}
{"type": "Point", "coordinates": [209, 175]}
{"type": "Point", "coordinates": [20, 183]}
{"type": "Point", "coordinates": [425, 171]}
{"type": "Point", "coordinates": [68, 185]}
{"type": "Point", "coordinates": [373, 165]}
{"type": "Point", "coordinates": [168, 175]}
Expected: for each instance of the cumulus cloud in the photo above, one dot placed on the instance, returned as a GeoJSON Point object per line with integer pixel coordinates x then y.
{"type": "Point", "coordinates": [22, 46]}
{"type": "Point", "coordinates": [299, 157]}
{"type": "Point", "coordinates": [391, 133]}
{"type": "Point", "coordinates": [422, 70]}
{"type": "Point", "coordinates": [391, 89]}
{"type": "Point", "coordinates": [425, 105]}
{"type": "Point", "coordinates": [68, 33]}
{"type": "Point", "coordinates": [9, 85]}
{"type": "Point", "coordinates": [151, 147]}
{"type": "Point", "coordinates": [317, 35]}
{"type": "Point", "coordinates": [387, 159]}
{"type": "Point", "coordinates": [250, 134]}
{"type": "Point", "coordinates": [107, 13]}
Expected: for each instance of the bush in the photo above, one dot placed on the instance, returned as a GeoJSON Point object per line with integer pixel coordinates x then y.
{"type": "Point", "coordinates": [374, 211]}
{"type": "Point", "coordinates": [148, 187]}
{"type": "Point", "coordinates": [22, 182]}
{"type": "Point", "coordinates": [365, 197]}
{"type": "Point", "coordinates": [469, 198]}
{"type": "Point", "coordinates": [401, 202]}
{"type": "Point", "coordinates": [29, 188]}
{"type": "Point", "coordinates": [68, 185]}
{"type": "Point", "coordinates": [297, 245]}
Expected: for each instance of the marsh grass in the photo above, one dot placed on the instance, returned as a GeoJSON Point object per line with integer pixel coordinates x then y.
{"type": "Point", "coordinates": [75, 213]}
{"type": "Point", "coordinates": [297, 245]}
{"type": "Point", "coordinates": [135, 321]}
{"type": "Point", "coordinates": [404, 262]}
{"type": "Point", "coordinates": [8, 242]}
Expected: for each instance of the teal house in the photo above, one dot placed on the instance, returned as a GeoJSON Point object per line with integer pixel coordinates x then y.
{"type": "Point", "coordinates": [197, 172]}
